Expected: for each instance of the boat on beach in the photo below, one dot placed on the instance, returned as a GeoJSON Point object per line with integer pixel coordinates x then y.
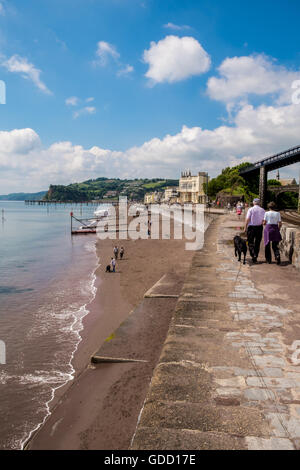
{"type": "Point", "coordinates": [100, 212]}
{"type": "Point", "coordinates": [90, 225]}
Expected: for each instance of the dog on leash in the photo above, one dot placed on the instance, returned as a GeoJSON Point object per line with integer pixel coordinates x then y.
{"type": "Point", "coordinates": [240, 247]}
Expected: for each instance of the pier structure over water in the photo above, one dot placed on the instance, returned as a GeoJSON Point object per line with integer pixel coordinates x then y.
{"type": "Point", "coordinates": [262, 167]}
{"type": "Point", "coordinates": [42, 202]}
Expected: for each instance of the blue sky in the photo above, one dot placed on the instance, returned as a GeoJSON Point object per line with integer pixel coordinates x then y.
{"type": "Point", "coordinates": [128, 88]}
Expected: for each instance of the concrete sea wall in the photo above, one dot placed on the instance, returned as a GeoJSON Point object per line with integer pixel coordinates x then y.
{"type": "Point", "coordinates": [290, 245]}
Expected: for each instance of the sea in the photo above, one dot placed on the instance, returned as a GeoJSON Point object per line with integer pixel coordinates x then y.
{"type": "Point", "coordinates": [47, 279]}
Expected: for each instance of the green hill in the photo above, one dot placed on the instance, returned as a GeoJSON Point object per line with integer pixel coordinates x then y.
{"type": "Point", "coordinates": [108, 188]}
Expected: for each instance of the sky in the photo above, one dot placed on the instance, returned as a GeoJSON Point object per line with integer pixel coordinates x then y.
{"type": "Point", "coordinates": [144, 88]}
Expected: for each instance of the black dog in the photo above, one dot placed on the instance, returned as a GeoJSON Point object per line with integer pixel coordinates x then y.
{"type": "Point", "coordinates": [240, 247]}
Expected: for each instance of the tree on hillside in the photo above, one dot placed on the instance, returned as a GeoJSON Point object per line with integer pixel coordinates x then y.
{"type": "Point", "coordinates": [274, 182]}
{"type": "Point", "coordinates": [232, 182]}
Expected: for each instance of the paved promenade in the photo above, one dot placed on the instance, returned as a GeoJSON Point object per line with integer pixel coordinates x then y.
{"type": "Point", "coordinates": [227, 377]}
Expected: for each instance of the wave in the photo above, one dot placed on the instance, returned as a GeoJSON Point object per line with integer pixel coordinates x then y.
{"type": "Point", "coordinates": [71, 323]}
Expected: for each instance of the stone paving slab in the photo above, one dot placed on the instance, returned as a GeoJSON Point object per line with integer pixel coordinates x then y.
{"type": "Point", "coordinates": [226, 377]}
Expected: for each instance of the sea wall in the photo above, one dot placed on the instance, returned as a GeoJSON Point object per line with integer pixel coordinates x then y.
{"type": "Point", "coordinates": [290, 245]}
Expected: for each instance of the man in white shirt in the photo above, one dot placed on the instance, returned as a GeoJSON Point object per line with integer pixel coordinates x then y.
{"type": "Point", "coordinates": [254, 228]}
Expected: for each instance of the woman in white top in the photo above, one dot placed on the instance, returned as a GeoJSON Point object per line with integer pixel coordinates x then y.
{"type": "Point", "coordinates": [272, 223]}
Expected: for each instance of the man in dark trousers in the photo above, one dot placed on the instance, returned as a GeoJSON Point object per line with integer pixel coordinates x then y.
{"type": "Point", "coordinates": [254, 228]}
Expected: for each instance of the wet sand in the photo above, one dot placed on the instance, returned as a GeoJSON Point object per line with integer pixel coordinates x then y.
{"type": "Point", "coordinates": [99, 409]}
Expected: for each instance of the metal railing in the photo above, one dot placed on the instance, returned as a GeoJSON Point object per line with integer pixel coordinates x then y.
{"type": "Point", "coordinates": [279, 157]}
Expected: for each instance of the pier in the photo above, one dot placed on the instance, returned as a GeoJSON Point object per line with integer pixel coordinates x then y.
{"type": "Point", "coordinates": [41, 202]}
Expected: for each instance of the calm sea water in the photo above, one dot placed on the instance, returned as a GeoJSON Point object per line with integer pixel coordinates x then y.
{"type": "Point", "coordinates": [46, 280]}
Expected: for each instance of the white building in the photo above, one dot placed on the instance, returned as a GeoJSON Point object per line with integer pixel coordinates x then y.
{"type": "Point", "coordinates": [192, 189]}
{"type": "Point", "coordinates": [153, 198]}
{"type": "Point", "coordinates": [171, 194]}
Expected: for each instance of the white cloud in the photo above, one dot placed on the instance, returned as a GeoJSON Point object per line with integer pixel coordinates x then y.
{"type": "Point", "coordinates": [90, 99]}
{"type": "Point", "coordinates": [17, 64]}
{"type": "Point", "coordinates": [72, 101]}
{"type": "Point", "coordinates": [240, 77]}
{"type": "Point", "coordinates": [84, 111]}
{"type": "Point", "coordinates": [173, 59]}
{"type": "Point", "coordinates": [2, 10]}
{"type": "Point", "coordinates": [176, 27]}
{"type": "Point", "coordinates": [126, 70]}
{"type": "Point", "coordinates": [19, 141]}
{"type": "Point", "coordinates": [255, 133]}
{"type": "Point", "coordinates": [104, 51]}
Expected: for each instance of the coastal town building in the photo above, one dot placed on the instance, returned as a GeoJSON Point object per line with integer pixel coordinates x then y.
{"type": "Point", "coordinates": [171, 194]}
{"type": "Point", "coordinates": [109, 194]}
{"type": "Point", "coordinates": [153, 198]}
{"type": "Point", "coordinates": [192, 189]}
{"type": "Point", "coordinates": [285, 182]}
{"type": "Point", "coordinates": [223, 199]}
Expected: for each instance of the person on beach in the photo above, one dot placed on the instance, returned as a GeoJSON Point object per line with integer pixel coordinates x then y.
{"type": "Point", "coordinates": [254, 228]}
{"type": "Point", "coordinates": [116, 252]}
{"type": "Point", "coordinates": [122, 251]}
{"type": "Point", "coordinates": [238, 210]}
{"type": "Point", "coordinates": [272, 223]}
{"type": "Point", "coordinates": [113, 265]}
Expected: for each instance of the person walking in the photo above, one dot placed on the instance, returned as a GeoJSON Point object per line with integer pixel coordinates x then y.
{"type": "Point", "coordinates": [122, 251]}
{"type": "Point", "coordinates": [238, 210]}
{"type": "Point", "coordinates": [272, 223]}
{"type": "Point", "coordinates": [116, 252]}
{"type": "Point", "coordinates": [254, 228]}
{"type": "Point", "coordinates": [113, 265]}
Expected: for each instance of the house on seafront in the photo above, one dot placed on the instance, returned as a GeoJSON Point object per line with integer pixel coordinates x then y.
{"type": "Point", "coordinates": [171, 195]}
{"type": "Point", "coordinates": [192, 189]}
{"type": "Point", "coordinates": [153, 198]}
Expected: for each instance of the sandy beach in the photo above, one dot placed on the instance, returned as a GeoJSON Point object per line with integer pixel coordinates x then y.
{"type": "Point", "coordinates": [99, 409]}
